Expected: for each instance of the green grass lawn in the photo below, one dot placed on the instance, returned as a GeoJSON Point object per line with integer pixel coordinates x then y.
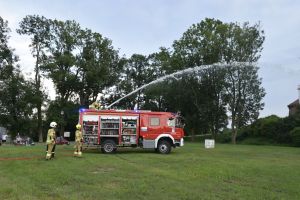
{"type": "Point", "coordinates": [190, 172]}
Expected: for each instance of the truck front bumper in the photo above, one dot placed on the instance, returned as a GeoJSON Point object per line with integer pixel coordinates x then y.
{"type": "Point", "coordinates": [179, 143]}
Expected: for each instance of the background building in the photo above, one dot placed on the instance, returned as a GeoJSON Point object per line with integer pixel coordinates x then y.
{"type": "Point", "coordinates": [294, 106]}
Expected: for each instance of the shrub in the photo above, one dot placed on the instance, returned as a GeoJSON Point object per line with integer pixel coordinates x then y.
{"type": "Point", "coordinates": [295, 135]}
{"type": "Point", "coordinates": [272, 128]}
{"type": "Point", "coordinates": [224, 136]}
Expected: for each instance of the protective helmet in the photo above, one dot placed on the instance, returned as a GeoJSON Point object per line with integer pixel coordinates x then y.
{"type": "Point", "coordinates": [78, 126]}
{"type": "Point", "coordinates": [53, 124]}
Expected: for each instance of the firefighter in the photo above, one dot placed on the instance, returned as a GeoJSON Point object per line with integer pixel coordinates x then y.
{"type": "Point", "coordinates": [95, 105]}
{"type": "Point", "coordinates": [51, 141]}
{"type": "Point", "coordinates": [53, 149]}
{"type": "Point", "coordinates": [78, 141]}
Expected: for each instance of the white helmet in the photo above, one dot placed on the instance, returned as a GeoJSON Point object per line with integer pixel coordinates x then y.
{"type": "Point", "coordinates": [53, 124]}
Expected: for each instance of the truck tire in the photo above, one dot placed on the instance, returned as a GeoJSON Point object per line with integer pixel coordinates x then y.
{"type": "Point", "coordinates": [164, 147]}
{"type": "Point", "coordinates": [108, 146]}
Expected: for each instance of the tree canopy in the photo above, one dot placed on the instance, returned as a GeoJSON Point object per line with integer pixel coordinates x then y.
{"type": "Point", "coordinates": [16, 93]}
{"type": "Point", "coordinates": [85, 66]}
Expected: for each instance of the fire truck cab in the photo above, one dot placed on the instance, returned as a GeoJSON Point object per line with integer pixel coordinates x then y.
{"type": "Point", "coordinates": [110, 129]}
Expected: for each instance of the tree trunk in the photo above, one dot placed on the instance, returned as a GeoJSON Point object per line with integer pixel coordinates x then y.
{"type": "Point", "coordinates": [61, 131]}
{"type": "Point", "coordinates": [37, 90]}
{"type": "Point", "coordinates": [193, 135]}
{"type": "Point", "coordinates": [40, 128]}
{"type": "Point", "coordinates": [213, 133]}
{"type": "Point", "coordinates": [84, 99]}
{"type": "Point", "coordinates": [233, 138]}
{"type": "Point", "coordinates": [234, 133]}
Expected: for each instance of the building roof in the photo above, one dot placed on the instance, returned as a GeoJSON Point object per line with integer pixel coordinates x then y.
{"type": "Point", "coordinates": [294, 103]}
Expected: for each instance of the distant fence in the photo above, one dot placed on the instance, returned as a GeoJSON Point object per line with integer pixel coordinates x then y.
{"type": "Point", "coordinates": [197, 138]}
{"type": "Point", "coordinates": [187, 136]}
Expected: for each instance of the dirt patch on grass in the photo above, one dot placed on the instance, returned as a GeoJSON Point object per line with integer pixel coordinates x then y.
{"type": "Point", "coordinates": [102, 170]}
{"type": "Point", "coordinates": [237, 181]}
{"type": "Point", "coordinates": [31, 158]}
{"type": "Point", "coordinates": [21, 158]}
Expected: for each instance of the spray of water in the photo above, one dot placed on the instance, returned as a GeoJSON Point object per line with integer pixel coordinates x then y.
{"type": "Point", "coordinates": [178, 73]}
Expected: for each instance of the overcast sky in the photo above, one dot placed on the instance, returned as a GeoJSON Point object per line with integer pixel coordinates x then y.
{"type": "Point", "coordinates": [142, 26]}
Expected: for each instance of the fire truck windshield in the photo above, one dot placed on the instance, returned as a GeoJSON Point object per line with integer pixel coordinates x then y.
{"type": "Point", "coordinates": [171, 122]}
{"type": "Point", "coordinates": [179, 122]}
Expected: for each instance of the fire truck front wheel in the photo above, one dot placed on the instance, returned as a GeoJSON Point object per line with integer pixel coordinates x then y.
{"type": "Point", "coordinates": [164, 147]}
{"type": "Point", "coordinates": [108, 146]}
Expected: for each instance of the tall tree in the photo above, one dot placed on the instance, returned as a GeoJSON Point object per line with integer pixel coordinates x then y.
{"type": "Point", "coordinates": [97, 64]}
{"type": "Point", "coordinates": [213, 106]}
{"type": "Point", "coordinates": [39, 28]}
{"type": "Point", "coordinates": [200, 45]}
{"type": "Point", "coordinates": [136, 72]}
{"type": "Point", "coordinates": [16, 99]}
{"type": "Point", "coordinates": [70, 115]}
{"type": "Point", "coordinates": [7, 56]}
{"type": "Point", "coordinates": [160, 65]}
{"type": "Point", "coordinates": [244, 89]}
{"type": "Point", "coordinates": [245, 96]}
{"type": "Point", "coordinates": [16, 93]}
{"type": "Point", "coordinates": [213, 90]}
{"type": "Point", "coordinates": [60, 65]}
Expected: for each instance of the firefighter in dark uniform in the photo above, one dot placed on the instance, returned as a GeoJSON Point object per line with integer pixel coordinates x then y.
{"type": "Point", "coordinates": [78, 141]}
{"type": "Point", "coordinates": [51, 141]}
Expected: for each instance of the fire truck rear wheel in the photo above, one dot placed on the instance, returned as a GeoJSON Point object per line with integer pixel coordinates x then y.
{"type": "Point", "coordinates": [108, 146]}
{"type": "Point", "coordinates": [164, 147]}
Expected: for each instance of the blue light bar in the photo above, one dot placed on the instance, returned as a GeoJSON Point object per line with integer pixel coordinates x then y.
{"type": "Point", "coordinates": [81, 110]}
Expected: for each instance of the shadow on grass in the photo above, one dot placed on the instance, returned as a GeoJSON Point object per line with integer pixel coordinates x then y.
{"type": "Point", "coordinates": [124, 151]}
{"type": "Point", "coordinates": [120, 151]}
{"type": "Point", "coordinates": [37, 153]}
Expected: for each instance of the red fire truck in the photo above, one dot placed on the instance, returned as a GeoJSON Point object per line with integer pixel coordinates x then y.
{"type": "Point", "coordinates": [109, 129]}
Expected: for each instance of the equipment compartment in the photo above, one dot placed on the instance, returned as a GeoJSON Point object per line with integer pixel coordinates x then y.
{"type": "Point", "coordinates": [110, 126]}
{"type": "Point", "coordinates": [129, 130]}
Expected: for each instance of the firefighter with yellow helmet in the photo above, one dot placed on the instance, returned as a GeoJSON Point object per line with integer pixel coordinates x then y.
{"type": "Point", "coordinates": [51, 140]}
{"type": "Point", "coordinates": [78, 141]}
{"type": "Point", "coordinates": [95, 106]}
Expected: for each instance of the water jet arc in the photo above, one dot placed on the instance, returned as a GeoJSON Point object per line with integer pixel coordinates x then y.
{"type": "Point", "coordinates": [185, 71]}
